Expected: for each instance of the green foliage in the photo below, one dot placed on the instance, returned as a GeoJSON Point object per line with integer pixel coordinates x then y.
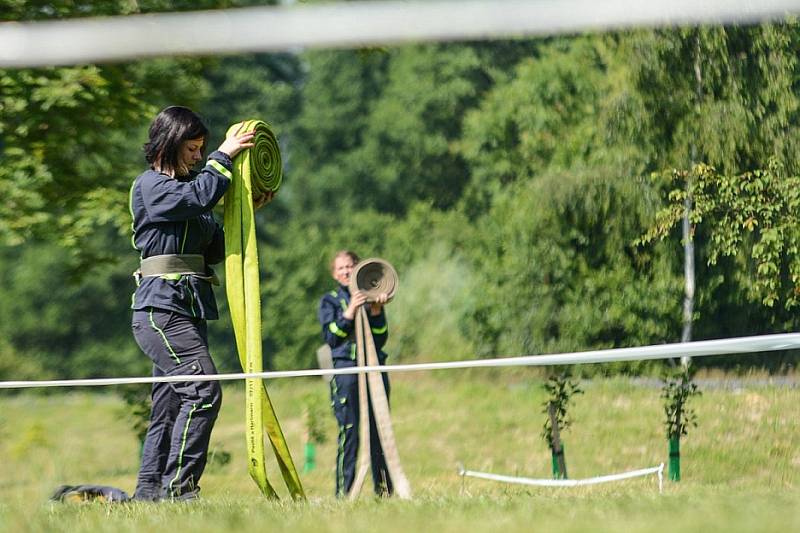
{"type": "Point", "coordinates": [426, 323]}
{"type": "Point", "coordinates": [723, 95]}
{"type": "Point", "coordinates": [678, 389]}
{"type": "Point", "coordinates": [63, 322]}
{"type": "Point", "coordinates": [261, 86]}
{"type": "Point", "coordinates": [407, 148]}
{"type": "Point", "coordinates": [316, 412]}
{"type": "Point", "coordinates": [218, 458]}
{"type": "Point", "coordinates": [544, 117]}
{"type": "Point", "coordinates": [66, 131]}
{"type": "Point", "coordinates": [751, 215]}
{"type": "Point", "coordinates": [560, 393]}
{"type": "Point", "coordinates": [502, 179]}
{"type": "Point", "coordinates": [559, 273]}
{"type": "Point", "coordinates": [137, 409]}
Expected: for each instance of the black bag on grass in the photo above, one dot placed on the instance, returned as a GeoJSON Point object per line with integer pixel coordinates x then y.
{"type": "Point", "coordinates": [89, 493]}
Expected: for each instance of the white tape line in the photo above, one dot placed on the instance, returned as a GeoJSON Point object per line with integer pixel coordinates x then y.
{"type": "Point", "coordinates": [568, 482]}
{"type": "Point", "coordinates": [352, 24]}
{"type": "Point", "coordinates": [740, 345]}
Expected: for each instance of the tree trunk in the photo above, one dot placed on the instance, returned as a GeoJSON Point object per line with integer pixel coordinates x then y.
{"type": "Point", "coordinates": [688, 230]}
{"type": "Point", "coordinates": [557, 449]}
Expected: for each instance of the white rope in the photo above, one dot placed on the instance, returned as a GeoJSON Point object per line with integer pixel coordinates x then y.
{"type": "Point", "coordinates": [568, 482]}
{"type": "Point", "coordinates": [352, 24]}
{"type": "Point", "coordinates": [740, 345]}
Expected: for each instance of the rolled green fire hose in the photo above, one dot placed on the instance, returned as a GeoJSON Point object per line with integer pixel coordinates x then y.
{"type": "Point", "coordinates": [373, 277]}
{"type": "Point", "coordinates": [255, 171]}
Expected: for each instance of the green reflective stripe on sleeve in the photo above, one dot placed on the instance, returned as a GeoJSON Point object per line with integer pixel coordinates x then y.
{"type": "Point", "coordinates": [219, 167]}
{"type": "Point", "coordinates": [380, 331]}
{"type": "Point", "coordinates": [130, 208]}
{"type": "Point", "coordinates": [344, 304]}
{"type": "Point", "coordinates": [336, 331]}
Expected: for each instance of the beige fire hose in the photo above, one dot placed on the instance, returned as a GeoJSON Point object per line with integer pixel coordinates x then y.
{"type": "Point", "coordinates": [374, 277]}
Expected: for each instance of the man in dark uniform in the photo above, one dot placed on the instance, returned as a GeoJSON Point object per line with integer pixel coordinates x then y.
{"type": "Point", "coordinates": [337, 311]}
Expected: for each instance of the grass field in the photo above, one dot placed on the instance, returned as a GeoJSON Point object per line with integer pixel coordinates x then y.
{"type": "Point", "coordinates": [740, 467]}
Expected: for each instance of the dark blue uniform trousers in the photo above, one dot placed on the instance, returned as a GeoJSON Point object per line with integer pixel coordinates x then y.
{"type": "Point", "coordinates": [183, 413]}
{"type": "Point", "coordinates": [344, 396]}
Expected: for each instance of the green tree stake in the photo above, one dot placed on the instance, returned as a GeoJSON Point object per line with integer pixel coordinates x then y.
{"type": "Point", "coordinates": [675, 459]}
{"type": "Point", "coordinates": [313, 415]}
{"type": "Point", "coordinates": [310, 457]}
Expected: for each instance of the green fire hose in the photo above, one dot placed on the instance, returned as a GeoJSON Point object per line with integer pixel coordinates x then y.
{"type": "Point", "coordinates": [256, 171]}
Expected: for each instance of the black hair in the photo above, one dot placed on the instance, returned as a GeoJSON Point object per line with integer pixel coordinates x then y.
{"type": "Point", "coordinates": [171, 127]}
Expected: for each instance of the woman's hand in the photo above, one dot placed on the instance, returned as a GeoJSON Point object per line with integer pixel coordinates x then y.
{"type": "Point", "coordinates": [376, 306]}
{"type": "Point", "coordinates": [236, 142]}
{"type": "Point", "coordinates": [356, 300]}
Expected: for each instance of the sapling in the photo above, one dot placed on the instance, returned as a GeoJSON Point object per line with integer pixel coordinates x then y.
{"type": "Point", "coordinates": [677, 390]}
{"type": "Point", "coordinates": [560, 389]}
{"type": "Point", "coordinates": [313, 416]}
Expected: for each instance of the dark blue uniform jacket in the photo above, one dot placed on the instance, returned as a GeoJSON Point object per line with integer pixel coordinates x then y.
{"type": "Point", "coordinates": [339, 333]}
{"type": "Point", "coordinates": [173, 216]}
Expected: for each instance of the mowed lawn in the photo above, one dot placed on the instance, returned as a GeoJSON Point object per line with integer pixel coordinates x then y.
{"type": "Point", "coordinates": [740, 466]}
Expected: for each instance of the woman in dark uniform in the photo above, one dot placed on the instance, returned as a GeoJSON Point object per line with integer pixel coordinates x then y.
{"type": "Point", "coordinates": [336, 314]}
{"type": "Point", "coordinates": [178, 238]}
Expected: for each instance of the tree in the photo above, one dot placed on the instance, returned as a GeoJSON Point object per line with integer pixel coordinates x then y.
{"type": "Point", "coordinates": [558, 270]}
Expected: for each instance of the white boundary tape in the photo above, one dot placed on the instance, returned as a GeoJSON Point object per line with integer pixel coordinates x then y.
{"type": "Point", "coordinates": [739, 345]}
{"type": "Point", "coordinates": [568, 482]}
{"type": "Point", "coordinates": [352, 24]}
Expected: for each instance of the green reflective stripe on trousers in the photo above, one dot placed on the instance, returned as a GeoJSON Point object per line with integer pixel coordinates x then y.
{"type": "Point", "coordinates": [336, 330]}
{"type": "Point", "coordinates": [164, 338]}
{"type": "Point", "coordinates": [191, 298]}
{"type": "Point", "coordinates": [380, 331]}
{"type": "Point", "coordinates": [340, 462]}
{"type": "Point", "coordinates": [219, 167]}
{"type": "Point", "coordinates": [180, 454]}
{"type": "Point", "coordinates": [255, 171]}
